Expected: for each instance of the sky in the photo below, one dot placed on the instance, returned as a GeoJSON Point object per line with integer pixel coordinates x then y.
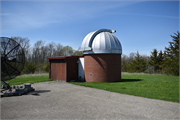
{"type": "Point", "coordinates": [140, 25]}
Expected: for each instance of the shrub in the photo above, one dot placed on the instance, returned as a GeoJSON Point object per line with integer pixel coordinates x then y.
{"type": "Point", "coordinates": [46, 67]}
{"type": "Point", "coordinates": [29, 67]}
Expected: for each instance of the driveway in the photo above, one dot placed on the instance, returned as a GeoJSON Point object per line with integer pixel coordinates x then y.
{"type": "Point", "coordinates": [61, 100]}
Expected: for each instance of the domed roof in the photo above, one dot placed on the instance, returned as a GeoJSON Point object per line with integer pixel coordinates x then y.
{"type": "Point", "coordinates": [101, 41]}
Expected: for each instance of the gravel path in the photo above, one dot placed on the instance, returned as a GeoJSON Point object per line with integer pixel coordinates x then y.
{"type": "Point", "coordinates": [61, 100]}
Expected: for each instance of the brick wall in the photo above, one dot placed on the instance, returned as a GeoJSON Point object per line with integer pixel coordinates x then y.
{"type": "Point", "coordinates": [102, 67]}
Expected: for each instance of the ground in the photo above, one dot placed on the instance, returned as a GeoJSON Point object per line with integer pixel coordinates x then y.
{"type": "Point", "coordinates": [61, 100]}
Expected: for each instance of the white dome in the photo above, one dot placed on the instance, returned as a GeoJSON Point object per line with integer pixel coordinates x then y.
{"type": "Point", "coordinates": [101, 41]}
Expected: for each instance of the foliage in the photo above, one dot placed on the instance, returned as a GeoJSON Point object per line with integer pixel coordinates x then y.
{"type": "Point", "coordinates": [171, 56]}
{"type": "Point", "coordinates": [138, 64]}
{"type": "Point", "coordinates": [124, 63]}
{"type": "Point", "coordinates": [160, 59]}
{"type": "Point", "coordinates": [78, 52]}
{"type": "Point", "coordinates": [67, 51]}
{"type": "Point", "coordinates": [46, 67]}
{"type": "Point", "coordinates": [156, 60]}
{"type": "Point", "coordinates": [37, 55]}
{"type": "Point", "coordinates": [160, 87]}
{"type": "Point", "coordinates": [167, 62]}
{"type": "Point", "coordinates": [29, 67]}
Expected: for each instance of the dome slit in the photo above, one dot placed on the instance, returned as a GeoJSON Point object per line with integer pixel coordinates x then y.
{"type": "Point", "coordinates": [101, 41]}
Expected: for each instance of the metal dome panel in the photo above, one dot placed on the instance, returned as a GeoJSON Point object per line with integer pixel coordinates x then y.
{"type": "Point", "coordinates": [101, 41]}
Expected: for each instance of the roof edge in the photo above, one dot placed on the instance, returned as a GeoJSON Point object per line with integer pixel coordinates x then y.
{"type": "Point", "coordinates": [64, 57]}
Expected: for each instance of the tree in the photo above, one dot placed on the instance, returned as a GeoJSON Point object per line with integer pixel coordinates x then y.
{"type": "Point", "coordinates": [51, 49]}
{"type": "Point", "coordinates": [131, 57]}
{"type": "Point", "coordinates": [138, 64]}
{"type": "Point", "coordinates": [78, 52]}
{"type": "Point", "coordinates": [24, 42]}
{"type": "Point", "coordinates": [154, 60]}
{"type": "Point", "coordinates": [59, 51]}
{"type": "Point", "coordinates": [29, 67]}
{"type": "Point", "coordinates": [124, 63]}
{"type": "Point", "coordinates": [38, 54]}
{"type": "Point", "coordinates": [171, 56]}
{"type": "Point", "coordinates": [160, 60]}
{"type": "Point", "coordinates": [67, 51]}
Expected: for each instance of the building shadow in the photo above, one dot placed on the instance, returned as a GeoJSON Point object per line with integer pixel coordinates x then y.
{"type": "Point", "coordinates": [99, 62]}
{"type": "Point", "coordinates": [122, 80]}
{"type": "Point", "coordinates": [130, 80]}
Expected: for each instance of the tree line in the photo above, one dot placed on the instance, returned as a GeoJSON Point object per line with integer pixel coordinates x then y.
{"type": "Point", "coordinates": [162, 62]}
{"type": "Point", "coordinates": [36, 57]}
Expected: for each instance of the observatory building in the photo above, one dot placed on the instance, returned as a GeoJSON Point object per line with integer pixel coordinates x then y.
{"type": "Point", "coordinates": [101, 60]}
{"type": "Point", "coordinates": [102, 56]}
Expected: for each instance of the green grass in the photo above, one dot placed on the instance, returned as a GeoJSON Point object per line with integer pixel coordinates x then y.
{"type": "Point", "coordinates": [29, 79]}
{"type": "Point", "coordinates": [160, 87]}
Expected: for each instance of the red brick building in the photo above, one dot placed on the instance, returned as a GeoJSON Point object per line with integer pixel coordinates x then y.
{"type": "Point", "coordinates": [101, 60]}
{"type": "Point", "coordinates": [63, 68]}
{"type": "Point", "coordinates": [102, 56]}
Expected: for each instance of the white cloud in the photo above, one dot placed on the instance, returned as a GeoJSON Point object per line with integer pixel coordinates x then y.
{"type": "Point", "coordinates": [27, 15]}
{"type": "Point", "coordinates": [4, 14]}
{"type": "Point", "coordinates": [147, 15]}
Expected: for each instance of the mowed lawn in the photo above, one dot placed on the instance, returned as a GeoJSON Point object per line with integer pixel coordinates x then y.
{"type": "Point", "coordinates": [33, 78]}
{"type": "Point", "coordinates": [162, 87]}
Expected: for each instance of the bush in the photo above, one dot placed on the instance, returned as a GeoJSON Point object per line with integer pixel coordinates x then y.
{"type": "Point", "coordinates": [46, 67]}
{"type": "Point", "coordinates": [29, 67]}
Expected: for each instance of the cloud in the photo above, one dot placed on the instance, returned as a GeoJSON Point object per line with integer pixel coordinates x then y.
{"type": "Point", "coordinates": [175, 17]}
{"type": "Point", "coordinates": [20, 16]}
{"type": "Point", "coordinates": [27, 15]}
{"type": "Point", "coordinates": [4, 14]}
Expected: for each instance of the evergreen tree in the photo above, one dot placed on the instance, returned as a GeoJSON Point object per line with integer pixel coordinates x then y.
{"type": "Point", "coordinates": [138, 64]}
{"type": "Point", "coordinates": [160, 60]}
{"type": "Point", "coordinates": [154, 60]}
{"type": "Point", "coordinates": [171, 56]}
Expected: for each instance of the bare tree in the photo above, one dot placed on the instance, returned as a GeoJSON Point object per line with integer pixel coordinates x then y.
{"type": "Point", "coordinates": [50, 49]}
{"type": "Point", "coordinates": [24, 42]}
{"type": "Point", "coordinates": [59, 50]}
{"type": "Point", "coordinates": [131, 57]}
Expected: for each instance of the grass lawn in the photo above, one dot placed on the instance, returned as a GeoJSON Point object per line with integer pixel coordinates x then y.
{"type": "Point", "coordinates": [29, 79]}
{"type": "Point", "coordinates": [160, 87]}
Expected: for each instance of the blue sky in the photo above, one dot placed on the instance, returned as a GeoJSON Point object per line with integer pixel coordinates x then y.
{"type": "Point", "coordinates": [139, 25]}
